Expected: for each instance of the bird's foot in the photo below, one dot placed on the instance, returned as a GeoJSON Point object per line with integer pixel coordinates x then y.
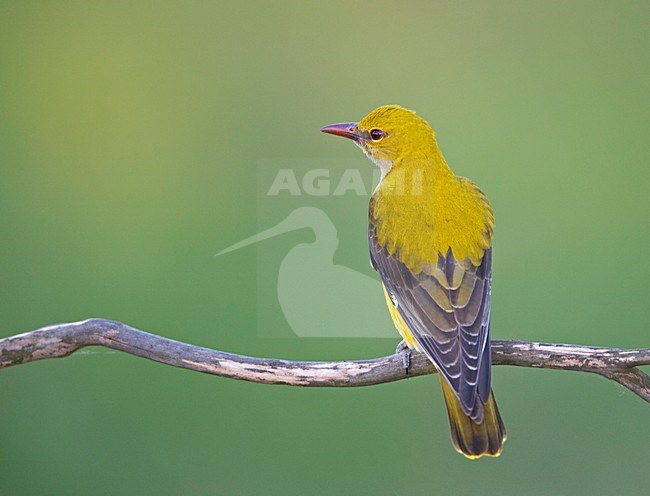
{"type": "Point", "coordinates": [405, 352]}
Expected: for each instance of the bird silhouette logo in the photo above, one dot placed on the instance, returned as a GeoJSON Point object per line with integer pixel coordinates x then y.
{"type": "Point", "coordinates": [319, 298]}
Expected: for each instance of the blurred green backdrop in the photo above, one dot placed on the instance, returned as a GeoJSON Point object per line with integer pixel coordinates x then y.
{"type": "Point", "coordinates": [129, 134]}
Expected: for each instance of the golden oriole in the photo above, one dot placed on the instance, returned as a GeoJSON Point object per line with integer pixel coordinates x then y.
{"type": "Point", "coordinates": [430, 236]}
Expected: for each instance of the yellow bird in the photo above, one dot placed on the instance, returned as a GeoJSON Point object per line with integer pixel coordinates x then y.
{"type": "Point", "coordinates": [430, 236]}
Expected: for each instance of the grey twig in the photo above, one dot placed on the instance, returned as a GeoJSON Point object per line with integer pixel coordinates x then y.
{"type": "Point", "coordinates": [61, 340]}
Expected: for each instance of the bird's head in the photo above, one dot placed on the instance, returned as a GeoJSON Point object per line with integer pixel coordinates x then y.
{"type": "Point", "coordinates": [388, 134]}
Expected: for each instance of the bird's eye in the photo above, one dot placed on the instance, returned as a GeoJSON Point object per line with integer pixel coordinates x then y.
{"type": "Point", "coordinates": [377, 134]}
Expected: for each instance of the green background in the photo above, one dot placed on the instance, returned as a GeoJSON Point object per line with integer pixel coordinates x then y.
{"type": "Point", "coordinates": [129, 138]}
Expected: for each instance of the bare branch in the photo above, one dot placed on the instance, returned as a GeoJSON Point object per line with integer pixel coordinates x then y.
{"type": "Point", "coordinates": [62, 340]}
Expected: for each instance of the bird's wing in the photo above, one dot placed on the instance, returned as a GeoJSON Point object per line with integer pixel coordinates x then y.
{"type": "Point", "coordinates": [447, 309]}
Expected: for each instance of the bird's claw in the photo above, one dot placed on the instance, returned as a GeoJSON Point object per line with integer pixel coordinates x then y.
{"type": "Point", "coordinates": [405, 352]}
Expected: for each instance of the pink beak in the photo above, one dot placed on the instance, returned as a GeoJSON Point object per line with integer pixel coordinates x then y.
{"type": "Point", "coordinates": [345, 129]}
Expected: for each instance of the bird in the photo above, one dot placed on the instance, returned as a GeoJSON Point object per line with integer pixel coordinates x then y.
{"type": "Point", "coordinates": [430, 240]}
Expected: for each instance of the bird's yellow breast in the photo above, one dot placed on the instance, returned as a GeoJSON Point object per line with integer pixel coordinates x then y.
{"type": "Point", "coordinates": [421, 212]}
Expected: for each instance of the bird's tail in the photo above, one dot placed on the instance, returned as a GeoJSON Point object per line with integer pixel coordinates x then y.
{"type": "Point", "coordinates": [469, 438]}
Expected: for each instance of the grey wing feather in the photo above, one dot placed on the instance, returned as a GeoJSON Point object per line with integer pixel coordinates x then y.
{"type": "Point", "coordinates": [447, 310]}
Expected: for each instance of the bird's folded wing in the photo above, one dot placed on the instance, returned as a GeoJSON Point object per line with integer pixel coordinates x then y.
{"type": "Point", "coordinates": [447, 309]}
